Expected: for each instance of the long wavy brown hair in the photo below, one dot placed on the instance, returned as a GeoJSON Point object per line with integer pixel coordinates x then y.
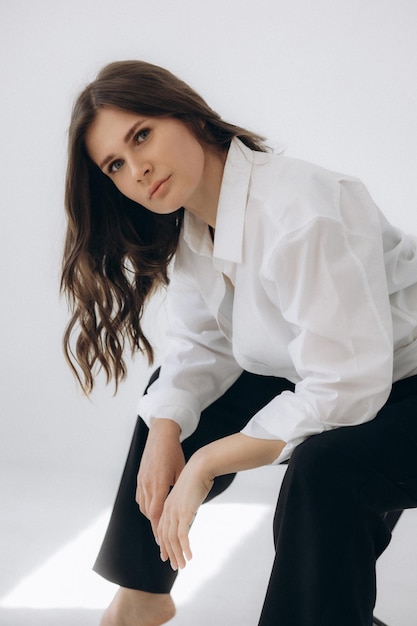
{"type": "Point", "coordinates": [117, 252]}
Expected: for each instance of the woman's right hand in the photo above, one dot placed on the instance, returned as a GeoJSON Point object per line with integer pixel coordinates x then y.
{"type": "Point", "coordinates": [162, 463]}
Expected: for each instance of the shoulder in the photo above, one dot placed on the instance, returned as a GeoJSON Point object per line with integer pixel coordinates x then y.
{"type": "Point", "coordinates": [294, 178]}
{"type": "Point", "coordinates": [295, 192]}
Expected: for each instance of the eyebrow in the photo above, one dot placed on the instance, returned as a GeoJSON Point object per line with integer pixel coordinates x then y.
{"type": "Point", "coordinates": [126, 139]}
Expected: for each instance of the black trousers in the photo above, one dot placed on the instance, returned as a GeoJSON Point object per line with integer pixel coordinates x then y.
{"type": "Point", "coordinates": [329, 524]}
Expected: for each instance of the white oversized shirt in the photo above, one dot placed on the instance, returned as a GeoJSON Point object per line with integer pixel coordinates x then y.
{"type": "Point", "coordinates": [306, 280]}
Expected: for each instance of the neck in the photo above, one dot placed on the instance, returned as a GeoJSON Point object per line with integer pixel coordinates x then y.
{"type": "Point", "coordinates": [204, 204]}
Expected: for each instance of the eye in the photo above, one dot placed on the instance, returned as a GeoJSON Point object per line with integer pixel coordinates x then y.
{"type": "Point", "coordinates": [115, 166]}
{"type": "Point", "coordinates": [142, 135]}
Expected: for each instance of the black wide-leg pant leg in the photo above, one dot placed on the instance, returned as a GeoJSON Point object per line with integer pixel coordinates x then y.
{"type": "Point", "coordinates": [329, 527]}
{"type": "Point", "coordinates": [129, 555]}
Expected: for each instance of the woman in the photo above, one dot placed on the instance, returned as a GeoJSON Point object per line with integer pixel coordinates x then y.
{"type": "Point", "coordinates": [292, 337]}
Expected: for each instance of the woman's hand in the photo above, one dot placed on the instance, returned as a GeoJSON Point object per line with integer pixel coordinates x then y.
{"type": "Point", "coordinates": [180, 509]}
{"type": "Point", "coordinates": [224, 456]}
{"type": "Point", "coordinates": [161, 464]}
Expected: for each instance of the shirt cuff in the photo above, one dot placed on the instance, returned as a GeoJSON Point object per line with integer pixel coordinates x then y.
{"type": "Point", "coordinates": [255, 430]}
{"type": "Point", "coordinates": [178, 405]}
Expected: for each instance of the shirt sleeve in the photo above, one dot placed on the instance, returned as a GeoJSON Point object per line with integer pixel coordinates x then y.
{"type": "Point", "coordinates": [198, 366]}
{"type": "Point", "coordinates": [328, 281]}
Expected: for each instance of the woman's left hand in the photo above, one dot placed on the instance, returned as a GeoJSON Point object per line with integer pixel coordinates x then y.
{"type": "Point", "coordinates": [180, 509]}
{"type": "Point", "coordinates": [224, 456]}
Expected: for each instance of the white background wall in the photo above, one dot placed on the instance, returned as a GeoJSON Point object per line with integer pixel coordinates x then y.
{"type": "Point", "coordinates": [334, 81]}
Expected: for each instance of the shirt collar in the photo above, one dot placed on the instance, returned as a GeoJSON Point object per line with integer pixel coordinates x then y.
{"type": "Point", "coordinates": [231, 209]}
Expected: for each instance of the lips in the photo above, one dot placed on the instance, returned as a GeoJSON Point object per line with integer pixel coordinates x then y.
{"type": "Point", "coordinates": [155, 187]}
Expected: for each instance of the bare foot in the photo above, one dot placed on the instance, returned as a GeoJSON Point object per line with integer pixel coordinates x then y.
{"type": "Point", "coordinates": [131, 607]}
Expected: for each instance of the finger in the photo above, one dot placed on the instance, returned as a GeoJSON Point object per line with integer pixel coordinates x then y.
{"type": "Point", "coordinates": [177, 549]}
{"type": "Point", "coordinates": [155, 510]}
{"type": "Point", "coordinates": [141, 500]}
{"type": "Point", "coordinates": [179, 541]}
{"type": "Point", "coordinates": [163, 552]}
{"type": "Point", "coordinates": [176, 556]}
{"type": "Point", "coordinates": [155, 526]}
{"type": "Point", "coordinates": [165, 545]}
{"type": "Point", "coordinates": [170, 546]}
{"type": "Point", "coordinates": [151, 508]}
{"type": "Point", "coordinates": [161, 534]}
{"type": "Point", "coordinates": [184, 538]}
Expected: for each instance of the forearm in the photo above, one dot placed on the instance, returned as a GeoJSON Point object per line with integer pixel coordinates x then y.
{"type": "Point", "coordinates": [231, 454]}
{"type": "Point", "coordinates": [235, 453]}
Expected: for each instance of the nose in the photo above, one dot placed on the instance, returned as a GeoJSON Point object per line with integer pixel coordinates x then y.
{"type": "Point", "coordinates": [139, 169]}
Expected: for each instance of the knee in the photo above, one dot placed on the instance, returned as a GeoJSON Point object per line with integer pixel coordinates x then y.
{"type": "Point", "coordinates": [318, 464]}
{"type": "Point", "coordinates": [312, 457]}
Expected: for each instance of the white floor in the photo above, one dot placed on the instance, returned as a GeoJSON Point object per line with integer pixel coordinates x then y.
{"type": "Point", "coordinates": [52, 523]}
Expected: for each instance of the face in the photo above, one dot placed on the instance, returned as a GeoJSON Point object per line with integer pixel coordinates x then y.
{"type": "Point", "coordinates": [156, 162]}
